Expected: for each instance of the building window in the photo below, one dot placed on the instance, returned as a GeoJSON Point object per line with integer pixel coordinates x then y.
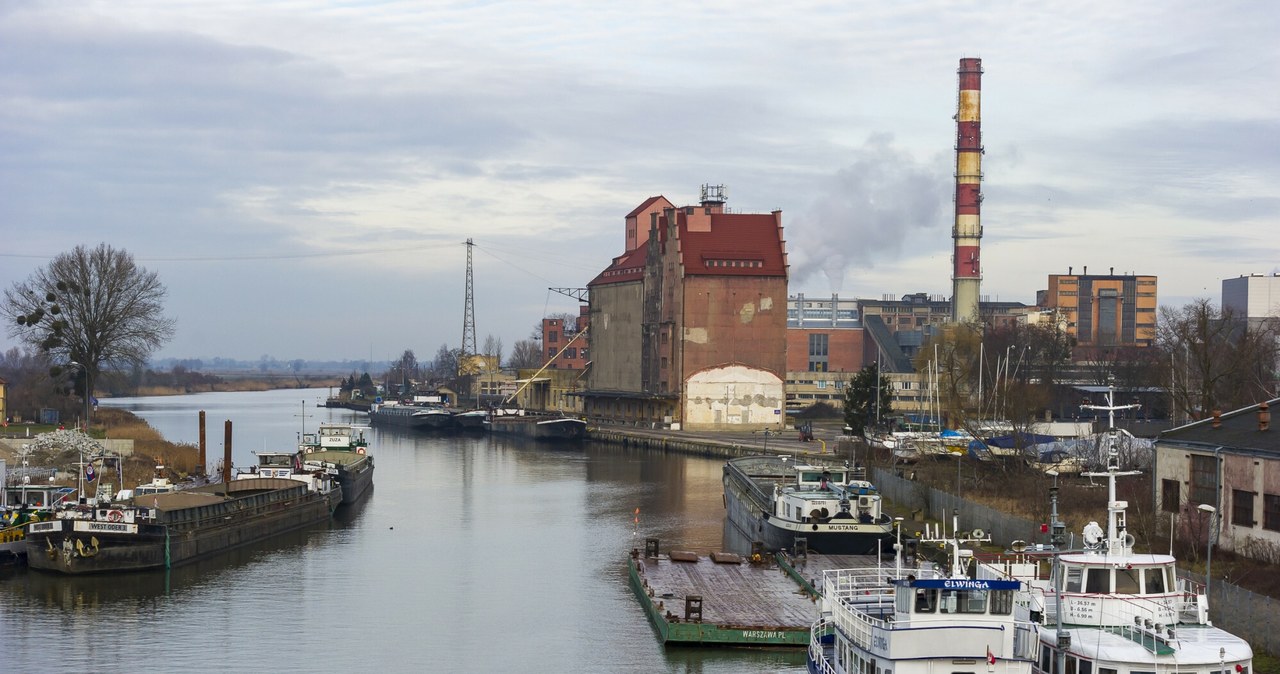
{"type": "Point", "coordinates": [664, 362]}
{"type": "Point", "coordinates": [553, 336]}
{"type": "Point", "coordinates": [551, 353]}
{"type": "Point", "coordinates": [1242, 508]}
{"type": "Point", "coordinates": [1204, 480]}
{"type": "Point", "coordinates": [1271, 512]}
{"type": "Point", "coordinates": [822, 384]}
{"type": "Point", "coordinates": [571, 352]}
{"type": "Point", "coordinates": [1169, 490]}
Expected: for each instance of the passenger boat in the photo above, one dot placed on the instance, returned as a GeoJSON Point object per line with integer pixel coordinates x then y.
{"type": "Point", "coordinates": [343, 450]}
{"type": "Point", "coordinates": [408, 415]}
{"type": "Point", "coordinates": [1107, 609]}
{"type": "Point", "coordinates": [544, 427]}
{"type": "Point", "coordinates": [773, 500]}
{"type": "Point", "coordinates": [921, 621]}
{"type": "Point", "coordinates": [172, 528]}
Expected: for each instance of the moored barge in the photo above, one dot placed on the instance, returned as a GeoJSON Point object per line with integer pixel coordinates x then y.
{"type": "Point", "coordinates": [167, 530]}
{"type": "Point", "coordinates": [772, 500]}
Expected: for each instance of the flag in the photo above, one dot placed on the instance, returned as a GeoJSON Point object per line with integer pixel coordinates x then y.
{"type": "Point", "coordinates": [991, 658]}
{"type": "Point", "coordinates": [89, 475]}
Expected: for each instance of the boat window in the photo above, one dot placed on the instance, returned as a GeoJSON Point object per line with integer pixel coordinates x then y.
{"type": "Point", "coordinates": [1141, 671]}
{"type": "Point", "coordinates": [964, 601]}
{"type": "Point", "coordinates": [1127, 581]}
{"type": "Point", "coordinates": [1001, 602]}
{"type": "Point", "coordinates": [1046, 659]}
{"type": "Point", "coordinates": [1071, 665]}
{"type": "Point", "coordinates": [1073, 579]}
{"type": "Point", "coordinates": [1086, 666]}
{"type": "Point", "coordinates": [1155, 580]}
{"type": "Point", "coordinates": [926, 601]}
{"type": "Point", "coordinates": [1098, 581]}
{"type": "Point", "coordinates": [1106, 670]}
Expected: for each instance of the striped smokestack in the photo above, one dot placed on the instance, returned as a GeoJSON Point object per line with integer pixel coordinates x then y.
{"type": "Point", "coordinates": [967, 233]}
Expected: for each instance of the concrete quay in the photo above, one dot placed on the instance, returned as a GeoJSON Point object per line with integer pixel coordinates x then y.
{"type": "Point", "coordinates": [828, 443]}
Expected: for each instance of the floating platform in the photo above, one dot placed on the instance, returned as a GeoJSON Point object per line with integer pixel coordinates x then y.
{"type": "Point", "coordinates": [726, 599]}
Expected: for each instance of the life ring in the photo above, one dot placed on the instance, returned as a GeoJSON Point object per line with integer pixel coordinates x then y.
{"type": "Point", "coordinates": [360, 450]}
{"type": "Point", "coordinates": [115, 516]}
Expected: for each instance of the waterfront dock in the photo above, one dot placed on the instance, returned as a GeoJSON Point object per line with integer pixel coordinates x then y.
{"type": "Point", "coordinates": [728, 600]}
{"type": "Point", "coordinates": [829, 444]}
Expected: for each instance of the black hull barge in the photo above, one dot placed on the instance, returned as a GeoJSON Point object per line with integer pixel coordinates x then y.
{"type": "Point", "coordinates": [774, 501]}
{"type": "Point", "coordinates": [171, 529]}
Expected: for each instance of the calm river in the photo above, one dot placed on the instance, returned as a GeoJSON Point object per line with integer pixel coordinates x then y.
{"type": "Point", "coordinates": [472, 554]}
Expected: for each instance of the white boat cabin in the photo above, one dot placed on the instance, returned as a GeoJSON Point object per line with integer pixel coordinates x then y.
{"type": "Point", "coordinates": [820, 494]}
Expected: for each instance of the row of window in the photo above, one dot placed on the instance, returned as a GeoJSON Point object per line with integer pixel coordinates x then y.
{"type": "Point", "coordinates": [1203, 489]}
{"type": "Point", "coordinates": [1074, 665]}
{"type": "Point", "coordinates": [735, 263]}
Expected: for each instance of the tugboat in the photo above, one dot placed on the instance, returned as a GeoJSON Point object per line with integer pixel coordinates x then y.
{"type": "Point", "coordinates": [1107, 609]}
{"type": "Point", "coordinates": [773, 500]}
{"type": "Point", "coordinates": [876, 619]}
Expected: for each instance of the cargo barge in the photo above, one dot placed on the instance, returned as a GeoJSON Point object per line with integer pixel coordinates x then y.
{"type": "Point", "coordinates": [775, 501]}
{"type": "Point", "coordinates": [167, 530]}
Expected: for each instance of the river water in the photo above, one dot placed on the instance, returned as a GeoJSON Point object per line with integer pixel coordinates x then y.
{"type": "Point", "coordinates": [472, 554]}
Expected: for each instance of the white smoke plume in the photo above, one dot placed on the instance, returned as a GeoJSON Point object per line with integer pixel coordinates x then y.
{"type": "Point", "coordinates": [869, 212]}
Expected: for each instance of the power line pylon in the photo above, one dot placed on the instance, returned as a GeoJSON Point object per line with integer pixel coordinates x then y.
{"type": "Point", "coordinates": [468, 315]}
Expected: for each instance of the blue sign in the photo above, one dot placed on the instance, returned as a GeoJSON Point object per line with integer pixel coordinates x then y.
{"type": "Point", "coordinates": [964, 584]}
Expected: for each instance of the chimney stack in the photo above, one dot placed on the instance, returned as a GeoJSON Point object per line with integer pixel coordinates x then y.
{"type": "Point", "coordinates": [966, 279]}
{"type": "Point", "coordinates": [1264, 416]}
{"type": "Point", "coordinates": [1217, 418]}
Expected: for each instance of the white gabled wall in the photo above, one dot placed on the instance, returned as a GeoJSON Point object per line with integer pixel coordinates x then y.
{"type": "Point", "coordinates": [734, 396]}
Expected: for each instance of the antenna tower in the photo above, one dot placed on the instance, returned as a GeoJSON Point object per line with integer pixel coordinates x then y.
{"type": "Point", "coordinates": [468, 314]}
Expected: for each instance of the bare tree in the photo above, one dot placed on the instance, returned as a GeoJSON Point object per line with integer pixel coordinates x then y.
{"type": "Point", "coordinates": [493, 349]}
{"type": "Point", "coordinates": [93, 307]}
{"type": "Point", "coordinates": [1217, 359]}
{"type": "Point", "coordinates": [526, 353]}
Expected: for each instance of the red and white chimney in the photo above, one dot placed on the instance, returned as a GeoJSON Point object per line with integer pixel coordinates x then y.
{"type": "Point", "coordinates": [966, 261]}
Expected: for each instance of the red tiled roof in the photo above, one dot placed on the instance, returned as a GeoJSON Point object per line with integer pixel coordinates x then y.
{"type": "Point", "coordinates": [739, 244]}
{"type": "Point", "coordinates": [624, 268]}
{"type": "Point", "coordinates": [645, 206]}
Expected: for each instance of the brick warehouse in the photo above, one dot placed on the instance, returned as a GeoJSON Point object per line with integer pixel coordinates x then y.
{"type": "Point", "coordinates": [689, 324]}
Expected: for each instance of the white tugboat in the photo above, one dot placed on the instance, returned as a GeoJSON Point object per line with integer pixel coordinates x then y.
{"type": "Point", "coordinates": [926, 622]}
{"type": "Point", "coordinates": [1106, 609]}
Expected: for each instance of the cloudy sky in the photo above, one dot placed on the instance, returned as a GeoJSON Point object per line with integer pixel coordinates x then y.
{"type": "Point", "coordinates": [302, 175]}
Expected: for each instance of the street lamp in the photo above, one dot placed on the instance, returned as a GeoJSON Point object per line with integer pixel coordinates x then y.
{"type": "Point", "coordinates": [1213, 534]}
{"type": "Point", "coordinates": [85, 370]}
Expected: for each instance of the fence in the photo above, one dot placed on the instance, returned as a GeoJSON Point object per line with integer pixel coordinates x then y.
{"type": "Point", "coordinates": [1251, 616]}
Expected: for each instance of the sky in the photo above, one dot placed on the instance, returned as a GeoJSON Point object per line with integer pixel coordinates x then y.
{"type": "Point", "coordinates": [303, 175]}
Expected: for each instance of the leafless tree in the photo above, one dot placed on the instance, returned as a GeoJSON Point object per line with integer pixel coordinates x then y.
{"type": "Point", "coordinates": [94, 307]}
{"type": "Point", "coordinates": [526, 353]}
{"type": "Point", "coordinates": [1217, 360]}
{"type": "Point", "coordinates": [493, 349]}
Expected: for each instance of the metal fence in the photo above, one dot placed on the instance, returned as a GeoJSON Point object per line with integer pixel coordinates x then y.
{"type": "Point", "coordinates": [1251, 616]}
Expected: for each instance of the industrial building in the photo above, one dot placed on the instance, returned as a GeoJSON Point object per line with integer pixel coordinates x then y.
{"type": "Point", "coordinates": [688, 325]}
{"type": "Point", "coordinates": [1103, 310]}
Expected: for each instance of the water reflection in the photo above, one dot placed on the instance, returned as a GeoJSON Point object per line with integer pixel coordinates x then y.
{"type": "Point", "coordinates": [472, 554]}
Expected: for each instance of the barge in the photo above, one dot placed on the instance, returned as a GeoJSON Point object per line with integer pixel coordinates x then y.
{"type": "Point", "coordinates": [167, 530]}
{"type": "Point", "coordinates": [779, 503]}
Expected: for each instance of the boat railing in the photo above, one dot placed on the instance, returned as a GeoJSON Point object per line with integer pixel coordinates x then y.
{"type": "Point", "coordinates": [819, 658]}
{"type": "Point", "coordinates": [854, 595]}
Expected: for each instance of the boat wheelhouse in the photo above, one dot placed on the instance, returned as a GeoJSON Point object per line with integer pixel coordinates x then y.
{"type": "Point", "coordinates": [921, 621]}
{"type": "Point", "coordinates": [1106, 609]}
